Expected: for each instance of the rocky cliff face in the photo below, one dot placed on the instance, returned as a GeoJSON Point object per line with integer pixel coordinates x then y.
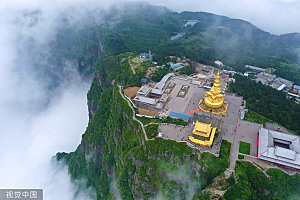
{"type": "Point", "coordinates": [113, 148]}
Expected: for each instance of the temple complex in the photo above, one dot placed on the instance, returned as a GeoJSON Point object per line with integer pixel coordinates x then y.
{"type": "Point", "coordinates": [203, 134]}
{"type": "Point", "coordinates": [214, 100]}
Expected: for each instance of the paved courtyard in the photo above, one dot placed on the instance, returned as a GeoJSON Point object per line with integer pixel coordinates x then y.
{"type": "Point", "coordinates": [233, 128]}
{"type": "Point", "coordinates": [176, 132]}
{"type": "Point", "coordinates": [177, 103]}
{"type": "Point", "coordinates": [190, 103]}
{"type": "Point", "coordinates": [247, 132]}
{"type": "Point", "coordinates": [192, 97]}
{"type": "Point", "coordinates": [181, 133]}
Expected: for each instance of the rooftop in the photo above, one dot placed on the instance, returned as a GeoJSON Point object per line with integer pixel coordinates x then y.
{"type": "Point", "coordinates": [179, 115]}
{"type": "Point", "coordinates": [144, 90]}
{"type": "Point", "coordinates": [280, 81]}
{"type": "Point", "coordinates": [278, 147]}
{"type": "Point", "coordinates": [156, 91]}
{"type": "Point", "coordinates": [255, 68]}
{"type": "Point", "coordinates": [296, 87]}
{"type": "Point", "coordinates": [202, 127]}
{"type": "Point", "coordinates": [146, 100]}
{"type": "Point", "coordinates": [161, 84]}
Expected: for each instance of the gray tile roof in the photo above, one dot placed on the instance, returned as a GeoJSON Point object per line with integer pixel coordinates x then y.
{"type": "Point", "coordinates": [284, 156]}
{"type": "Point", "coordinates": [161, 84]}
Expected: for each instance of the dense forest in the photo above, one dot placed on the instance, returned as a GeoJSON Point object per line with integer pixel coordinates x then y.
{"type": "Point", "coordinates": [140, 27]}
{"type": "Point", "coordinates": [234, 42]}
{"type": "Point", "coordinates": [268, 102]}
{"type": "Point", "coordinates": [254, 184]}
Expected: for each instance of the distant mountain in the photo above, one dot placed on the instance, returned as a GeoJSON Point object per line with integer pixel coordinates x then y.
{"type": "Point", "coordinates": [233, 41]}
{"type": "Point", "coordinates": [114, 158]}
{"type": "Point", "coordinates": [141, 27]}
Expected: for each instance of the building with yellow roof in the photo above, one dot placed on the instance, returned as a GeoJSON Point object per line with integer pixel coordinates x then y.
{"type": "Point", "coordinates": [214, 101]}
{"type": "Point", "coordinates": [203, 134]}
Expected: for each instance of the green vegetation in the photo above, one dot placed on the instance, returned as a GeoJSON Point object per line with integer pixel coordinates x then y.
{"type": "Point", "coordinates": [230, 181]}
{"type": "Point", "coordinates": [117, 68]}
{"type": "Point", "coordinates": [168, 120]}
{"type": "Point", "coordinates": [257, 118]}
{"type": "Point", "coordinates": [253, 184]}
{"type": "Point", "coordinates": [214, 169]}
{"type": "Point", "coordinates": [113, 147]}
{"type": "Point", "coordinates": [208, 40]}
{"type": "Point", "coordinates": [151, 130]}
{"type": "Point", "coordinates": [145, 27]}
{"type": "Point", "coordinates": [178, 181]}
{"type": "Point", "coordinates": [113, 144]}
{"type": "Point", "coordinates": [204, 196]}
{"type": "Point", "coordinates": [147, 64]}
{"type": "Point", "coordinates": [219, 163]}
{"type": "Point", "coordinates": [241, 156]}
{"type": "Point", "coordinates": [244, 148]}
{"type": "Point", "coordinates": [186, 71]}
{"type": "Point", "coordinates": [159, 74]}
{"type": "Point", "coordinates": [268, 102]}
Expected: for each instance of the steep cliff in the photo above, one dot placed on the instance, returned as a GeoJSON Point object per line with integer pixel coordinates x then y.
{"type": "Point", "coordinates": [114, 148]}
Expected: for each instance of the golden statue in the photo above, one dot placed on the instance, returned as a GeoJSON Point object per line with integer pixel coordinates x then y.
{"type": "Point", "coordinates": [214, 100]}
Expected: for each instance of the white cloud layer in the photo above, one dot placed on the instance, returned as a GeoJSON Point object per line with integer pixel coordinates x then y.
{"type": "Point", "coordinates": [35, 124]}
{"type": "Point", "coordinates": [275, 16]}
{"type": "Point", "coordinates": [30, 133]}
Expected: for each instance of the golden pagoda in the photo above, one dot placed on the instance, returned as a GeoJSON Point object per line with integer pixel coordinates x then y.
{"type": "Point", "coordinates": [214, 100]}
{"type": "Point", "coordinates": [204, 134]}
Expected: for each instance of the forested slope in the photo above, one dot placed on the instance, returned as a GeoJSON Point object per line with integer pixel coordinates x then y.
{"type": "Point", "coordinates": [268, 102]}
{"type": "Point", "coordinates": [254, 184]}
{"type": "Point", "coordinates": [140, 27]}
{"type": "Point", "coordinates": [114, 148]}
{"type": "Point", "coordinates": [234, 42]}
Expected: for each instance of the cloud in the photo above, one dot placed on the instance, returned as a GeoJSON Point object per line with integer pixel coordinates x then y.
{"type": "Point", "coordinates": [37, 122]}
{"type": "Point", "coordinates": [275, 16]}
{"type": "Point", "coordinates": [28, 139]}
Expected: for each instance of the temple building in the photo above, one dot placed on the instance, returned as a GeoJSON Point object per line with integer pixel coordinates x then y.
{"type": "Point", "coordinates": [280, 148]}
{"type": "Point", "coordinates": [203, 134]}
{"type": "Point", "coordinates": [214, 100]}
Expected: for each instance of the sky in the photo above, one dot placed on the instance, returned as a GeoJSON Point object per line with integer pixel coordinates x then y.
{"type": "Point", "coordinates": [274, 16]}
{"type": "Point", "coordinates": [37, 123]}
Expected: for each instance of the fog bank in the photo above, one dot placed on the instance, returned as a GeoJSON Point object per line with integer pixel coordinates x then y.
{"type": "Point", "coordinates": [42, 111]}
{"type": "Point", "coordinates": [274, 16]}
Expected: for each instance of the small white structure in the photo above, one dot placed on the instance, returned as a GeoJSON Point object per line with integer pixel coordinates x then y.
{"type": "Point", "coordinates": [217, 62]}
{"type": "Point", "coordinates": [255, 69]}
{"type": "Point", "coordinates": [176, 66]}
{"type": "Point", "coordinates": [281, 87]}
